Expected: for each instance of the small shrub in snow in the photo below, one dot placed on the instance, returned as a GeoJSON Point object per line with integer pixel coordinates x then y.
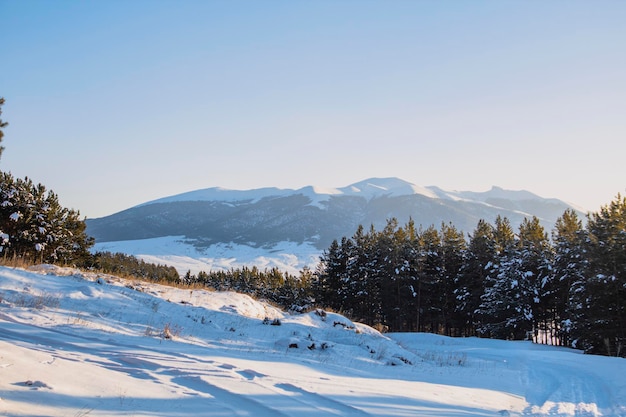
{"type": "Point", "coordinates": [403, 359]}
{"type": "Point", "coordinates": [445, 358]}
{"type": "Point", "coordinates": [297, 308]}
{"type": "Point", "coordinates": [398, 360]}
{"type": "Point", "coordinates": [381, 327]}
{"type": "Point", "coordinates": [171, 331]}
{"type": "Point", "coordinates": [150, 332]}
{"type": "Point", "coordinates": [344, 325]}
{"type": "Point", "coordinates": [167, 334]}
{"type": "Point", "coordinates": [321, 313]}
{"type": "Point", "coordinates": [37, 384]}
{"type": "Point", "coordinates": [381, 353]}
{"type": "Point", "coordinates": [38, 302]}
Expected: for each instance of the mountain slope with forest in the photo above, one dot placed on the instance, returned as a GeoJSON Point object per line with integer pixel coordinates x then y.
{"type": "Point", "coordinates": [270, 215]}
{"type": "Point", "coordinates": [216, 225]}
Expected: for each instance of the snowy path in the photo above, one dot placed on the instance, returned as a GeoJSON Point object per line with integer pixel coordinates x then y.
{"type": "Point", "coordinates": [561, 385]}
{"type": "Point", "coordinates": [554, 381]}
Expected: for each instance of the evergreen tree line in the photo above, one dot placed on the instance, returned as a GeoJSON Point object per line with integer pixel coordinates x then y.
{"type": "Point", "coordinates": [288, 291]}
{"type": "Point", "coordinates": [128, 265]}
{"type": "Point", "coordinates": [569, 289]}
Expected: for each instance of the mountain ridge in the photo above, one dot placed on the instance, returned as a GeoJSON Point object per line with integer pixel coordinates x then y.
{"type": "Point", "coordinates": [368, 188]}
{"type": "Point", "coordinates": [221, 228]}
{"type": "Point", "coordinates": [269, 215]}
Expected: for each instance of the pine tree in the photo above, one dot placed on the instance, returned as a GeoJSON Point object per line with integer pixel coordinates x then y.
{"type": "Point", "coordinates": [405, 273]}
{"type": "Point", "coordinates": [536, 280]}
{"type": "Point", "coordinates": [453, 253]}
{"type": "Point", "coordinates": [481, 256]}
{"type": "Point", "coordinates": [569, 266]}
{"type": "Point", "coordinates": [366, 305]}
{"type": "Point", "coordinates": [604, 321]}
{"type": "Point", "coordinates": [2, 126]}
{"type": "Point", "coordinates": [387, 270]}
{"type": "Point", "coordinates": [430, 290]}
{"type": "Point", "coordinates": [410, 264]}
{"type": "Point", "coordinates": [503, 235]}
{"type": "Point", "coordinates": [500, 306]}
{"type": "Point", "coordinates": [332, 267]}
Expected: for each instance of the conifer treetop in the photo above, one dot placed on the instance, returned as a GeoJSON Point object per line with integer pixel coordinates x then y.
{"type": "Point", "coordinates": [2, 125]}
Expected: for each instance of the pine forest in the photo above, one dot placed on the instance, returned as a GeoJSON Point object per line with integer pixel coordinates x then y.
{"type": "Point", "coordinates": [567, 288]}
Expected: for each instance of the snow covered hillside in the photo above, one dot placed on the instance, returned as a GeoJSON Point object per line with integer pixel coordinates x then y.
{"type": "Point", "coordinates": [82, 344]}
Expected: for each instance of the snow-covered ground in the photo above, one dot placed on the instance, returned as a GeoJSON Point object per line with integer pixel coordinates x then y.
{"type": "Point", "coordinates": [178, 252]}
{"type": "Point", "coordinates": [81, 344]}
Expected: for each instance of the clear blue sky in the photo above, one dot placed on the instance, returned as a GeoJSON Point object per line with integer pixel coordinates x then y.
{"type": "Point", "coordinates": [114, 103]}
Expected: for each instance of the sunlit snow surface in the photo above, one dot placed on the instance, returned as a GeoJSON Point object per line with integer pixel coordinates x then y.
{"type": "Point", "coordinates": [178, 252]}
{"type": "Point", "coordinates": [76, 344]}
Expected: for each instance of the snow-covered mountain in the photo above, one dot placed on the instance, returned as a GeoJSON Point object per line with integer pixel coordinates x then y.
{"type": "Point", "coordinates": [371, 188]}
{"type": "Point", "coordinates": [75, 343]}
{"type": "Point", "coordinates": [368, 189]}
{"type": "Point", "coordinates": [219, 227]}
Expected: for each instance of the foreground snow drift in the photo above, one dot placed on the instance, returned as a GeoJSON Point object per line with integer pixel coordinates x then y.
{"type": "Point", "coordinates": [79, 344]}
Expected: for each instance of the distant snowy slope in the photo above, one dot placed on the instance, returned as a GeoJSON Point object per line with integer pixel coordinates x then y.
{"type": "Point", "coordinates": [77, 343]}
{"type": "Point", "coordinates": [183, 255]}
{"type": "Point", "coordinates": [223, 194]}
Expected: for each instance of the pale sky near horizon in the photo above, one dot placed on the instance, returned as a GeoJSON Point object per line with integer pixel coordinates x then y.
{"type": "Point", "coordinates": [114, 103]}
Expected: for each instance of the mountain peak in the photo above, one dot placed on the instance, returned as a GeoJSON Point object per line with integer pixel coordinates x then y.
{"type": "Point", "coordinates": [392, 186]}
{"type": "Point", "coordinates": [499, 192]}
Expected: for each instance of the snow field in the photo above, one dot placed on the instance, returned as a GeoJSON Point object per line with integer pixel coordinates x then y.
{"type": "Point", "coordinates": [178, 252]}
{"type": "Point", "coordinates": [82, 344]}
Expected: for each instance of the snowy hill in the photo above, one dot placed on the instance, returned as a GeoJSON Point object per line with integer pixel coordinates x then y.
{"type": "Point", "coordinates": [216, 228]}
{"type": "Point", "coordinates": [81, 344]}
